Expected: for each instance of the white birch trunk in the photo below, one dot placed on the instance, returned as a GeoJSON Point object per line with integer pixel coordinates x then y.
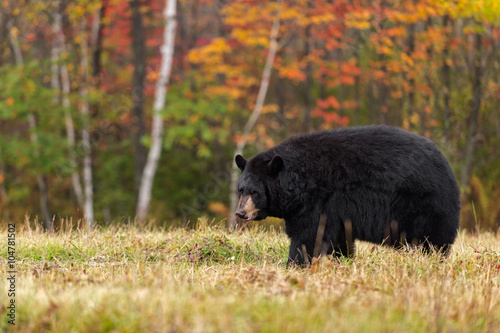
{"type": "Point", "coordinates": [42, 186]}
{"type": "Point", "coordinates": [59, 48]}
{"type": "Point", "coordinates": [54, 66]}
{"type": "Point", "coordinates": [87, 149]}
{"type": "Point", "coordinates": [167, 51]}
{"type": "Point", "coordinates": [264, 85]}
{"type": "Point", "coordinates": [94, 33]}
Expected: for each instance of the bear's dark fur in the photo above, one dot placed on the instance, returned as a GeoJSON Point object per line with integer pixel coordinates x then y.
{"type": "Point", "coordinates": [389, 185]}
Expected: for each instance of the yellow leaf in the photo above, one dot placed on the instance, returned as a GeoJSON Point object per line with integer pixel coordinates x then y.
{"type": "Point", "coordinates": [29, 87]}
{"type": "Point", "coordinates": [23, 161]}
{"type": "Point", "coordinates": [218, 208]}
{"type": "Point", "coordinates": [194, 56]}
{"type": "Point", "coordinates": [270, 108]}
{"type": "Point", "coordinates": [406, 124]}
{"type": "Point", "coordinates": [10, 101]}
{"type": "Point", "coordinates": [194, 118]}
{"type": "Point", "coordinates": [14, 31]}
{"type": "Point", "coordinates": [415, 118]}
{"type": "Point", "coordinates": [325, 18]}
{"type": "Point", "coordinates": [290, 13]}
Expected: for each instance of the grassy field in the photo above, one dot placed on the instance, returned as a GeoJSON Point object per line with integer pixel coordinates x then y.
{"type": "Point", "coordinates": [132, 279]}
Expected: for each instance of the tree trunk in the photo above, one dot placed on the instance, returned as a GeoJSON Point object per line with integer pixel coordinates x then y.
{"type": "Point", "coordinates": [307, 85]}
{"type": "Point", "coordinates": [411, 74]}
{"type": "Point", "coordinates": [96, 41]}
{"type": "Point", "coordinates": [357, 80]}
{"type": "Point", "coordinates": [87, 150]}
{"type": "Point", "coordinates": [261, 96]}
{"type": "Point", "coordinates": [42, 186]}
{"type": "Point", "coordinates": [96, 36]}
{"type": "Point", "coordinates": [167, 50]}
{"type": "Point", "coordinates": [281, 100]}
{"type": "Point", "coordinates": [474, 112]}
{"type": "Point", "coordinates": [382, 105]}
{"type": "Point", "coordinates": [371, 102]}
{"type": "Point", "coordinates": [139, 61]}
{"type": "Point", "coordinates": [59, 48]}
{"type": "Point", "coordinates": [496, 93]}
{"type": "Point", "coordinates": [446, 74]}
{"type": "Point", "coordinates": [434, 92]}
{"type": "Point", "coordinates": [383, 92]}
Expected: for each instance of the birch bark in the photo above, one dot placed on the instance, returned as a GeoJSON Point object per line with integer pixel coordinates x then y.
{"type": "Point", "coordinates": [167, 51]}
{"type": "Point", "coordinates": [59, 48]}
{"type": "Point", "coordinates": [87, 150]}
{"type": "Point", "coordinates": [261, 96]}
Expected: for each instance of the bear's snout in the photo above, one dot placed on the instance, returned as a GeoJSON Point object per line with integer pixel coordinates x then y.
{"type": "Point", "coordinates": [246, 209]}
{"type": "Point", "coordinates": [241, 213]}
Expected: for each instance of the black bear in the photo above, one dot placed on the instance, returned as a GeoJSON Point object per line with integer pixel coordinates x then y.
{"type": "Point", "coordinates": [379, 184]}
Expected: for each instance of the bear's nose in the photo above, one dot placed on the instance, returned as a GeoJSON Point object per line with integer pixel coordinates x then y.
{"type": "Point", "coordinates": [241, 213]}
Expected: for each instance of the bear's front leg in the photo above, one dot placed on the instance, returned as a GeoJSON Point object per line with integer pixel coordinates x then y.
{"type": "Point", "coordinates": [295, 257]}
{"type": "Point", "coordinates": [300, 253]}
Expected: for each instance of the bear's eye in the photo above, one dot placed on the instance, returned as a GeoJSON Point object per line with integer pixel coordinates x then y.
{"type": "Point", "coordinates": [253, 194]}
{"type": "Point", "coordinates": [241, 191]}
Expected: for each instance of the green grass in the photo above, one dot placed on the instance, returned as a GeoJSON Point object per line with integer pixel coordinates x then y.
{"type": "Point", "coordinates": [208, 280]}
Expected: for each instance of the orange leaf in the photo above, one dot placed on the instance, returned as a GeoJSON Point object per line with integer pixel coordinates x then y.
{"type": "Point", "coordinates": [292, 74]}
{"type": "Point", "coordinates": [396, 31]}
{"type": "Point", "coordinates": [349, 104]}
{"type": "Point", "coordinates": [334, 103]}
{"type": "Point", "coordinates": [397, 94]}
{"type": "Point", "coordinates": [347, 80]}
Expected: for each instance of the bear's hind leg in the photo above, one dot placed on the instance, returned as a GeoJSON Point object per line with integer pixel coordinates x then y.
{"type": "Point", "coordinates": [443, 233]}
{"type": "Point", "coordinates": [431, 233]}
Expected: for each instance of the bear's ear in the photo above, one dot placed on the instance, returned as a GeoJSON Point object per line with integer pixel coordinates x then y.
{"type": "Point", "coordinates": [276, 165]}
{"type": "Point", "coordinates": [240, 162]}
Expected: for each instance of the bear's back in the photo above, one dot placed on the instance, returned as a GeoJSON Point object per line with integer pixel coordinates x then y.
{"type": "Point", "coordinates": [374, 156]}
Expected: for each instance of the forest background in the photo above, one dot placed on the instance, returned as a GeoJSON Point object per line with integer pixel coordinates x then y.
{"type": "Point", "coordinates": [77, 85]}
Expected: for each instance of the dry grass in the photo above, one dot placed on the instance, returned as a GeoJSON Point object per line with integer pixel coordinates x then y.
{"type": "Point", "coordinates": [209, 280]}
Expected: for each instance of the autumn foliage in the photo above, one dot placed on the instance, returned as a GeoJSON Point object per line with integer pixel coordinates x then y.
{"type": "Point", "coordinates": [429, 66]}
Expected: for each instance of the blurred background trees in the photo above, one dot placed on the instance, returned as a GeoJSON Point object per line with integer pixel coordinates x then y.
{"type": "Point", "coordinates": [90, 66]}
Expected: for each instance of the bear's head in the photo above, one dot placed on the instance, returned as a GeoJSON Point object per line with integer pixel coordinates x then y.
{"type": "Point", "coordinates": [255, 186]}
